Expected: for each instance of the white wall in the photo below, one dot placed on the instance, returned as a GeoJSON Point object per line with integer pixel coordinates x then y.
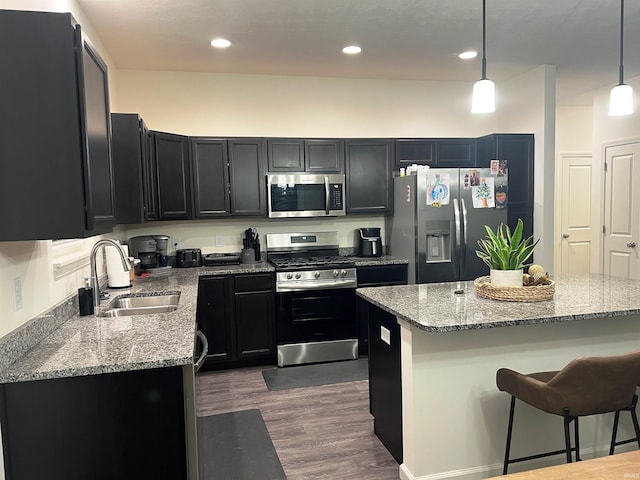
{"type": "Point", "coordinates": [527, 105]}
{"type": "Point", "coordinates": [608, 130]}
{"type": "Point", "coordinates": [574, 129]}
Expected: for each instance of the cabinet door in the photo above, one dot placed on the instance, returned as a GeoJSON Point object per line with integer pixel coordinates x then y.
{"type": "Point", "coordinates": [171, 154]}
{"type": "Point", "coordinates": [420, 151]}
{"type": "Point", "coordinates": [456, 152]}
{"type": "Point", "coordinates": [255, 316]}
{"type": "Point", "coordinates": [96, 121]}
{"type": "Point", "coordinates": [247, 177]}
{"type": "Point", "coordinates": [215, 318]}
{"type": "Point", "coordinates": [517, 150]}
{"type": "Point", "coordinates": [285, 154]}
{"type": "Point", "coordinates": [210, 177]}
{"type": "Point", "coordinates": [324, 156]}
{"type": "Point", "coordinates": [368, 176]}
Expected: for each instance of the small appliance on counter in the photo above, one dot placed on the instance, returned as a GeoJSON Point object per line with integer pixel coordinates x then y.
{"type": "Point", "coordinates": [162, 242]}
{"type": "Point", "coordinates": [188, 257]}
{"type": "Point", "coordinates": [369, 242]}
{"type": "Point", "coordinates": [117, 276]}
{"type": "Point", "coordinates": [217, 259]}
{"type": "Point", "coordinates": [144, 248]}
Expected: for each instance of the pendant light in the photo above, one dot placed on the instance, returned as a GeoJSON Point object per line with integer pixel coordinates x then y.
{"type": "Point", "coordinates": [484, 90]}
{"type": "Point", "coordinates": [621, 99]}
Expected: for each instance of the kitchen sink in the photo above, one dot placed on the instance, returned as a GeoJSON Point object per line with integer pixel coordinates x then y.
{"type": "Point", "coordinates": [123, 312]}
{"type": "Point", "coordinates": [145, 301]}
{"type": "Point", "coordinates": [142, 305]}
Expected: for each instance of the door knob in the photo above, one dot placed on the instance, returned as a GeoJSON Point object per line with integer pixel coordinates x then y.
{"type": "Point", "coordinates": [565, 235]}
{"type": "Point", "coordinates": [631, 244]}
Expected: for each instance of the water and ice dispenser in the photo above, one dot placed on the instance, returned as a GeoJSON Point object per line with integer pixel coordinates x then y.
{"type": "Point", "coordinates": [438, 234]}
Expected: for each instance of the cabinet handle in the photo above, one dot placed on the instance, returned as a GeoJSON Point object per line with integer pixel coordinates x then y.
{"type": "Point", "coordinates": [205, 349]}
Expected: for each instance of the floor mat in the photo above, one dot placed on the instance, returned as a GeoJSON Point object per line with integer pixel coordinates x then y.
{"type": "Point", "coordinates": [315, 375]}
{"type": "Point", "coordinates": [237, 446]}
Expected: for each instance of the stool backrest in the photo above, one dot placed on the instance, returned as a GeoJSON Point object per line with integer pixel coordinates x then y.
{"type": "Point", "coordinates": [591, 385]}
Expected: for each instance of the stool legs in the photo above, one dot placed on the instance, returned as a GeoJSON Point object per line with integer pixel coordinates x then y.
{"type": "Point", "coordinates": [509, 430]}
{"type": "Point", "coordinates": [636, 427]}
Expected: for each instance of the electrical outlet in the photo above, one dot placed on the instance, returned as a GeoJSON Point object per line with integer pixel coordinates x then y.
{"type": "Point", "coordinates": [17, 294]}
{"type": "Point", "coordinates": [218, 240]}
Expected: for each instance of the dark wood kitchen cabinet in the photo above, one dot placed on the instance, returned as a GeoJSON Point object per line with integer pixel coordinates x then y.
{"type": "Point", "coordinates": [385, 379]}
{"type": "Point", "coordinates": [55, 137]}
{"type": "Point", "coordinates": [517, 150]}
{"type": "Point", "coordinates": [170, 153]}
{"type": "Point", "coordinates": [124, 425]}
{"type": "Point", "coordinates": [134, 172]}
{"type": "Point", "coordinates": [237, 315]}
{"type": "Point", "coordinates": [210, 166]}
{"type": "Point", "coordinates": [436, 152]}
{"type": "Point", "coordinates": [310, 156]}
{"type": "Point", "coordinates": [368, 176]}
{"type": "Point", "coordinates": [247, 178]}
{"type": "Point", "coordinates": [375, 276]}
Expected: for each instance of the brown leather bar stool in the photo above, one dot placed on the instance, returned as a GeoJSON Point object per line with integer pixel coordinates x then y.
{"type": "Point", "coordinates": [585, 386]}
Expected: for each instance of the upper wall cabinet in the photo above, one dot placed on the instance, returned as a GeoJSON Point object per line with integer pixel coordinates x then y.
{"type": "Point", "coordinates": [134, 172]}
{"type": "Point", "coordinates": [173, 172]}
{"type": "Point", "coordinates": [313, 155]}
{"type": "Point", "coordinates": [368, 176]}
{"type": "Point", "coordinates": [228, 177]}
{"type": "Point", "coordinates": [517, 150]}
{"type": "Point", "coordinates": [436, 152]}
{"type": "Point", "coordinates": [55, 145]}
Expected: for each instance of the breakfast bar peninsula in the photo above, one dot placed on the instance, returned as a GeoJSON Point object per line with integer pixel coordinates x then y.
{"type": "Point", "coordinates": [434, 353]}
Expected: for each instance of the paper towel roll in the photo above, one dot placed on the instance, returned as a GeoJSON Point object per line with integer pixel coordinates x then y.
{"type": "Point", "coordinates": [117, 276]}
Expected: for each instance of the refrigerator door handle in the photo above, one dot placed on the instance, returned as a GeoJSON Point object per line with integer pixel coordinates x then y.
{"type": "Point", "coordinates": [456, 218]}
{"type": "Point", "coordinates": [463, 250]}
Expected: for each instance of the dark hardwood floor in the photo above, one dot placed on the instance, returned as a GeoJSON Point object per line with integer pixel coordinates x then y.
{"type": "Point", "coordinates": [321, 432]}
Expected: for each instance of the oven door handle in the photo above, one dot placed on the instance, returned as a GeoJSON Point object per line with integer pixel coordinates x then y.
{"type": "Point", "coordinates": [316, 285]}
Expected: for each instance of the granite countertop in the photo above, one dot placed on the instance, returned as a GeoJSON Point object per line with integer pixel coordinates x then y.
{"type": "Point", "coordinates": [437, 308]}
{"type": "Point", "coordinates": [60, 343]}
{"type": "Point", "coordinates": [374, 261]}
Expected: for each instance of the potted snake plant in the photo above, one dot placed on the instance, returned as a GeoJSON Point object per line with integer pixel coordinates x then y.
{"type": "Point", "coordinates": [505, 253]}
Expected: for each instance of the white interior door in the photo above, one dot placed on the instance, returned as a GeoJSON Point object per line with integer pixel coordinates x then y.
{"type": "Point", "coordinates": [576, 229]}
{"type": "Point", "coordinates": [622, 210]}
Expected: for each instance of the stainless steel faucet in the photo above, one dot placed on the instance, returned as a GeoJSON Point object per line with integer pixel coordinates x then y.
{"type": "Point", "coordinates": [126, 264]}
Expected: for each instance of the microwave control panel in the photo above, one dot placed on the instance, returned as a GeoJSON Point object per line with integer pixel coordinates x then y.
{"type": "Point", "coordinates": [335, 196]}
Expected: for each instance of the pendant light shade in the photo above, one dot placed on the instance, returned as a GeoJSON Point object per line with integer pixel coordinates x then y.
{"type": "Point", "coordinates": [484, 90]}
{"type": "Point", "coordinates": [621, 99]}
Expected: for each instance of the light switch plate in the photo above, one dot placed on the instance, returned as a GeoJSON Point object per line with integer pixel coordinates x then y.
{"type": "Point", "coordinates": [385, 335]}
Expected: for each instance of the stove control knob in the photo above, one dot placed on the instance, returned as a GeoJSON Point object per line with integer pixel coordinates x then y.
{"type": "Point", "coordinates": [316, 274]}
{"type": "Point", "coordinates": [336, 273]}
{"type": "Point", "coordinates": [343, 273]}
{"type": "Point", "coordinates": [289, 276]}
{"type": "Point", "coordinates": [297, 275]}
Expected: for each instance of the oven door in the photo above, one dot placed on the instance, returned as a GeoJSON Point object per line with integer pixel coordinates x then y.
{"type": "Point", "coordinates": [316, 316]}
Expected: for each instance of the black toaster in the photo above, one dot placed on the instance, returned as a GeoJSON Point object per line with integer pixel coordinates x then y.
{"type": "Point", "coordinates": [188, 257]}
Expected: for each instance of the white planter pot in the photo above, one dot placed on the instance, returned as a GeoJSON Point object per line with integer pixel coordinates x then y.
{"type": "Point", "coordinates": [506, 278]}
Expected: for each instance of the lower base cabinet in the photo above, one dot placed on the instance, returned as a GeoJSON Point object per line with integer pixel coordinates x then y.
{"type": "Point", "coordinates": [237, 315]}
{"type": "Point", "coordinates": [385, 379]}
{"type": "Point", "coordinates": [375, 276]}
{"type": "Point", "coordinates": [128, 425]}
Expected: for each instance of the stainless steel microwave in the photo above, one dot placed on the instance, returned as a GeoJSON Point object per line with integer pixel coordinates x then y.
{"type": "Point", "coordinates": [300, 195]}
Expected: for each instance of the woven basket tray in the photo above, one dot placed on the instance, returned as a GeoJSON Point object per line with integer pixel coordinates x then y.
{"type": "Point", "coordinates": [538, 293]}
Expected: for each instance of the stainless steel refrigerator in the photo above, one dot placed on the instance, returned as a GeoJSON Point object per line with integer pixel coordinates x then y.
{"type": "Point", "coordinates": [439, 214]}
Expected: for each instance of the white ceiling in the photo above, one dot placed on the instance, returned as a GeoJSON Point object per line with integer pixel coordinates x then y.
{"type": "Point", "coordinates": [401, 39]}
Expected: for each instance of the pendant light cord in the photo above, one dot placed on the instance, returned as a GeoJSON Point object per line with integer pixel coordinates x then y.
{"type": "Point", "coordinates": [484, 42]}
{"type": "Point", "coordinates": [621, 80]}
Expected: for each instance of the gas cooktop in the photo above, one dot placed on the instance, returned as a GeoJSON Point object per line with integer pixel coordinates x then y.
{"type": "Point", "coordinates": [283, 262]}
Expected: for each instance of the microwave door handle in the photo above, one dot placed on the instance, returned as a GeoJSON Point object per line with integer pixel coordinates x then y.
{"type": "Point", "coordinates": [326, 194]}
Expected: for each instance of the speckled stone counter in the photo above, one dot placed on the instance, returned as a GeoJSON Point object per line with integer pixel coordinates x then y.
{"type": "Point", "coordinates": [93, 344]}
{"type": "Point", "coordinates": [375, 261]}
{"type": "Point", "coordinates": [438, 308]}
{"type": "Point", "coordinates": [447, 348]}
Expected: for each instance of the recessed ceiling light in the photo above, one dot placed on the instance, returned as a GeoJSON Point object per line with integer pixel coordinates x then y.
{"type": "Point", "coordinates": [468, 54]}
{"type": "Point", "coordinates": [220, 43]}
{"type": "Point", "coordinates": [351, 49]}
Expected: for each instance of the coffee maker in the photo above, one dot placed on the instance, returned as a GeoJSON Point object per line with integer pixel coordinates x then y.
{"type": "Point", "coordinates": [369, 242]}
{"type": "Point", "coordinates": [144, 248]}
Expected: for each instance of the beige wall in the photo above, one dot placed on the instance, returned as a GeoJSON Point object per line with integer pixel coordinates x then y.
{"type": "Point", "coordinates": [574, 129]}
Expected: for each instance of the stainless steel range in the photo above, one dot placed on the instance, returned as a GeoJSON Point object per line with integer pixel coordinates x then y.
{"type": "Point", "coordinates": [315, 298]}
